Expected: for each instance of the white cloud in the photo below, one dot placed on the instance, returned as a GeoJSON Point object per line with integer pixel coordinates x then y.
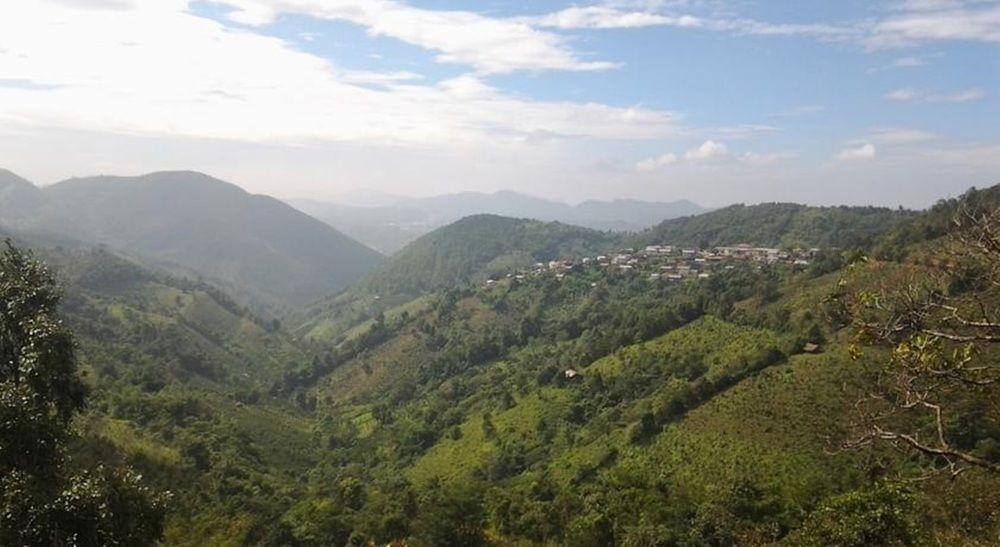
{"type": "Point", "coordinates": [908, 62]}
{"type": "Point", "coordinates": [607, 17]}
{"type": "Point", "coordinates": [709, 150]}
{"type": "Point", "coordinates": [652, 164]}
{"type": "Point", "coordinates": [902, 95]}
{"type": "Point", "coordinates": [910, 95]}
{"type": "Point", "coordinates": [380, 78]}
{"type": "Point", "coordinates": [929, 20]}
{"type": "Point", "coordinates": [753, 158]}
{"type": "Point", "coordinates": [762, 28]}
{"type": "Point", "coordinates": [973, 94]}
{"type": "Point", "coordinates": [904, 63]}
{"type": "Point", "coordinates": [490, 45]}
{"type": "Point", "coordinates": [908, 23]}
{"type": "Point", "coordinates": [96, 4]}
{"type": "Point", "coordinates": [802, 110]}
{"type": "Point", "coordinates": [712, 153]}
{"type": "Point", "coordinates": [864, 152]}
{"type": "Point", "coordinates": [898, 137]}
{"type": "Point", "coordinates": [745, 131]}
{"type": "Point", "coordinates": [227, 83]}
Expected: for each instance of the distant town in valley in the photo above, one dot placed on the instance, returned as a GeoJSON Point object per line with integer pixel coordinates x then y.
{"type": "Point", "coordinates": [667, 263]}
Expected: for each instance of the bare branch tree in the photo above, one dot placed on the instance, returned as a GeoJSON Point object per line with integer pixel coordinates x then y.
{"type": "Point", "coordinates": [940, 318]}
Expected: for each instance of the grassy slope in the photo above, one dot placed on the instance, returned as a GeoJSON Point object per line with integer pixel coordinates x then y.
{"type": "Point", "coordinates": [176, 367]}
{"type": "Point", "coordinates": [714, 343]}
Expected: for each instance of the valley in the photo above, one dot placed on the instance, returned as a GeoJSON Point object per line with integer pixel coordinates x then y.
{"type": "Point", "coordinates": [511, 381]}
{"type": "Point", "coordinates": [440, 273]}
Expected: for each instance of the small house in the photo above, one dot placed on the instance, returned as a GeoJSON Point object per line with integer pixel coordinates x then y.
{"type": "Point", "coordinates": [811, 348]}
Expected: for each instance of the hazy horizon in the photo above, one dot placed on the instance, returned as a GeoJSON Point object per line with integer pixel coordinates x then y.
{"type": "Point", "coordinates": [366, 197]}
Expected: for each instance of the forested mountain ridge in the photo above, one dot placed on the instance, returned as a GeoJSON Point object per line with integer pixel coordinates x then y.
{"type": "Point", "coordinates": [778, 225]}
{"type": "Point", "coordinates": [473, 248]}
{"type": "Point", "coordinates": [255, 246]}
{"type": "Point", "coordinates": [482, 246]}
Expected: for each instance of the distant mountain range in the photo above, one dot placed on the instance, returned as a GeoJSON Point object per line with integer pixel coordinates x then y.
{"type": "Point", "coordinates": [254, 246]}
{"type": "Point", "coordinates": [390, 222]}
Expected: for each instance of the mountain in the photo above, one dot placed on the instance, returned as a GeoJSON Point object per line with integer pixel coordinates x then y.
{"type": "Point", "coordinates": [483, 245]}
{"type": "Point", "coordinates": [608, 407]}
{"type": "Point", "coordinates": [480, 246]}
{"type": "Point", "coordinates": [471, 249]}
{"type": "Point", "coordinates": [18, 197]}
{"type": "Point", "coordinates": [778, 225]}
{"type": "Point", "coordinates": [389, 227]}
{"type": "Point", "coordinates": [603, 406]}
{"type": "Point", "coordinates": [257, 246]}
{"type": "Point", "coordinates": [629, 214]}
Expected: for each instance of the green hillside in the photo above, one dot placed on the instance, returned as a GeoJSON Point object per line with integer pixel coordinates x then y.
{"type": "Point", "coordinates": [484, 246]}
{"type": "Point", "coordinates": [256, 247]}
{"type": "Point", "coordinates": [181, 380]}
{"type": "Point", "coordinates": [596, 406]}
{"type": "Point", "coordinates": [778, 225]}
{"type": "Point", "coordinates": [472, 249]}
{"type": "Point", "coordinates": [480, 246]}
{"type": "Point", "coordinates": [694, 418]}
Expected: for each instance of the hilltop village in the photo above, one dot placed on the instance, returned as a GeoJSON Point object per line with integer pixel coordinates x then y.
{"type": "Point", "coordinates": [667, 263]}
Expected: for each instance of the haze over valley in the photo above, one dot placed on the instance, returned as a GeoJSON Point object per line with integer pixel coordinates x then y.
{"type": "Point", "coordinates": [387, 223]}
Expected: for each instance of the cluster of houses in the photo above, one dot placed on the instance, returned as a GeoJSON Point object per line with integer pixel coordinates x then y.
{"type": "Point", "coordinates": [667, 263]}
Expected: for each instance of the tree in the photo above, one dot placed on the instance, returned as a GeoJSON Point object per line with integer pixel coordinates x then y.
{"type": "Point", "coordinates": [941, 321]}
{"type": "Point", "coordinates": [41, 501]}
{"type": "Point", "coordinates": [881, 515]}
{"type": "Point", "coordinates": [450, 516]}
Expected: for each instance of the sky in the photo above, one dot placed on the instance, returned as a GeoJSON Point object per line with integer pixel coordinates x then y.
{"type": "Point", "coordinates": [848, 102]}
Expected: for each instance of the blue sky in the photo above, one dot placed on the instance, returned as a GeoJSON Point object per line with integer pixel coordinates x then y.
{"type": "Point", "coordinates": [890, 102]}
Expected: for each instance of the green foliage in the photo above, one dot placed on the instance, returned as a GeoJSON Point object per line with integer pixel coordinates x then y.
{"type": "Point", "coordinates": [694, 419]}
{"type": "Point", "coordinates": [884, 514]}
{"type": "Point", "coordinates": [450, 517]}
{"type": "Point", "coordinates": [935, 223]}
{"type": "Point", "coordinates": [317, 522]}
{"type": "Point", "coordinates": [40, 392]}
{"type": "Point", "coordinates": [778, 225]}
{"type": "Point", "coordinates": [478, 246]}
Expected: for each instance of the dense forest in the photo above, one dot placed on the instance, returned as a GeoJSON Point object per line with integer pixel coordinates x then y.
{"type": "Point", "coordinates": [848, 401]}
{"type": "Point", "coordinates": [780, 225]}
